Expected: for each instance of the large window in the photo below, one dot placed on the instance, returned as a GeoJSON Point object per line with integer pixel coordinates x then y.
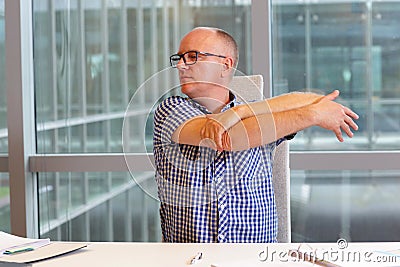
{"type": "Point", "coordinates": [92, 59]}
{"type": "Point", "coordinates": [352, 46]}
{"type": "Point", "coordinates": [348, 45]}
{"type": "Point", "coordinates": [359, 206]}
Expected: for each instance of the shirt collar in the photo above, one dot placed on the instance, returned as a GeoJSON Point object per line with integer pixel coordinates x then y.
{"type": "Point", "coordinates": [232, 102]}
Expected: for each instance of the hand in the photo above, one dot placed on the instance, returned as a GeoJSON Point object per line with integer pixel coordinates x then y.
{"type": "Point", "coordinates": [334, 116]}
{"type": "Point", "coordinates": [217, 125]}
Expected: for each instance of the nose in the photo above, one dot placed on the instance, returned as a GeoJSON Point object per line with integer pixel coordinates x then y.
{"type": "Point", "coordinates": [181, 64]}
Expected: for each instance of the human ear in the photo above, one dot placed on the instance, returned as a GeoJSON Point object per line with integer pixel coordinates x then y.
{"type": "Point", "coordinates": [227, 66]}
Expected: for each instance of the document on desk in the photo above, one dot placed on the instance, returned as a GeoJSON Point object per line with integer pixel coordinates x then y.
{"type": "Point", "coordinates": [51, 250]}
{"type": "Point", "coordinates": [12, 243]}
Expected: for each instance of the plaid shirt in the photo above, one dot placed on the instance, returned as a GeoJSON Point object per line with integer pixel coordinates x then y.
{"type": "Point", "coordinates": [211, 196]}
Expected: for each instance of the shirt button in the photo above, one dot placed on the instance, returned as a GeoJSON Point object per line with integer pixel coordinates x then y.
{"type": "Point", "coordinates": [223, 206]}
{"type": "Point", "coordinates": [221, 237]}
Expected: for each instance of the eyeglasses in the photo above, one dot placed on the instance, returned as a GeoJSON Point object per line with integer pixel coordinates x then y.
{"type": "Point", "coordinates": [189, 57]}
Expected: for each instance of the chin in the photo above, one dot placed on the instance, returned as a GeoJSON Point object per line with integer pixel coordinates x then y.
{"type": "Point", "coordinates": [188, 89]}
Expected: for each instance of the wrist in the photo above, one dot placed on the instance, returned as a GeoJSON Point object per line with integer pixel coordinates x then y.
{"type": "Point", "coordinates": [311, 115]}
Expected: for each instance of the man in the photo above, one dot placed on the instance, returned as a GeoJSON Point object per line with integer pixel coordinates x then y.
{"type": "Point", "coordinates": [214, 157]}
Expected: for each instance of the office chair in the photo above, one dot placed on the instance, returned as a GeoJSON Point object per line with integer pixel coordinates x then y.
{"type": "Point", "coordinates": [249, 88]}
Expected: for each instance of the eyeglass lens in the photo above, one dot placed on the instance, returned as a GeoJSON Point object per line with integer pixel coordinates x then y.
{"type": "Point", "coordinates": [189, 58]}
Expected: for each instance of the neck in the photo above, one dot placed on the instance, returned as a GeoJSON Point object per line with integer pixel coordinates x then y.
{"type": "Point", "coordinates": [214, 104]}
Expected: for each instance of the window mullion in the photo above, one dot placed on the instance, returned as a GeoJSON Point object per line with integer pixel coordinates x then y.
{"type": "Point", "coordinates": [261, 43]}
{"type": "Point", "coordinates": [20, 116]}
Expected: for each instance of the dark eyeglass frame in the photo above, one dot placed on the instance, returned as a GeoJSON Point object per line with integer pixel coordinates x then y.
{"type": "Point", "coordinates": [174, 61]}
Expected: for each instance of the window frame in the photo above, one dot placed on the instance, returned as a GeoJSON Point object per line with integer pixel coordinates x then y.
{"type": "Point", "coordinates": [20, 117]}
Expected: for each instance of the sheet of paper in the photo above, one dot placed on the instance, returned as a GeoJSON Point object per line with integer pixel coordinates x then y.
{"type": "Point", "coordinates": [8, 241]}
{"type": "Point", "coordinates": [46, 252]}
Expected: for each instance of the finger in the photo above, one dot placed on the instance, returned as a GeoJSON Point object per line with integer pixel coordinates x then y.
{"type": "Point", "coordinates": [332, 96]}
{"type": "Point", "coordinates": [351, 123]}
{"type": "Point", "coordinates": [351, 113]}
{"type": "Point", "coordinates": [214, 130]}
{"type": "Point", "coordinates": [207, 128]}
{"type": "Point", "coordinates": [226, 141]}
{"type": "Point", "coordinates": [339, 135]}
{"type": "Point", "coordinates": [203, 132]}
{"type": "Point", "coordinates": [345, 127]}
{"type": "Point", "coordinates": [206, 133]}
{"type": "Point", "coordinates": [218, 142]}
{"type": "Point", "coordinates": [215, 133]}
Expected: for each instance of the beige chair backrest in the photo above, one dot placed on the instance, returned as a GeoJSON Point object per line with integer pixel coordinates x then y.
{"type": "Point", "coordinates": [249, 88]}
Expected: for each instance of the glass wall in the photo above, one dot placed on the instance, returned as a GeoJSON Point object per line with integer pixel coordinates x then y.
{"type": "Point", "coordinates": [4, 184]}
{"type": "Point", "coordinates": [352, 46]}
{"type": "Point", "coordinates": [97, 207]}
{"type": "Point", "coordinates": [360, 206]}
{"type": "Point", "coordinates": [92, 56]}
{"type": "Point", "coordinates": [348, 45]}
{"type": "Point", "coordinates": [93, 59]}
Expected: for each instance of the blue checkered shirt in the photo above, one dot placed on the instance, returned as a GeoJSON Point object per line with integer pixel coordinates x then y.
{"type": "Point", "coordinates": [206, 195]}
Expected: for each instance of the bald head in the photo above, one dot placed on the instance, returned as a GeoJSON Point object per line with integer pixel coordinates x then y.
{"type": "Point", "coordinates": [224, 41]}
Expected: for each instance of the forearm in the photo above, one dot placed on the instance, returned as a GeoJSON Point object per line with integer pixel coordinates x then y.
{"type": "Point", "coordinates": [267, 128]}
{"type": "Point", "coordinates": [281, 103]}
{"type": "Point", "coordinates": [189, 133]}
{"type": "Point", "coordinates": [276, 104]}
{"type": "Point", "coordinates": [248, 133]}
{"type": "Point", "coordinates": [293, 100]}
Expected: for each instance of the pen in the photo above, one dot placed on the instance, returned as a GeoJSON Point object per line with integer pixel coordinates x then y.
{"type": "Point", "coordinates": [17, 250]}
{"type": "Point", "coordinates": [196, 258]}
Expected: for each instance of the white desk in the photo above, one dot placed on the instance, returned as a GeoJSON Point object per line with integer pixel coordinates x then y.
{"type": "Point", "coordinates": [221, 255]}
